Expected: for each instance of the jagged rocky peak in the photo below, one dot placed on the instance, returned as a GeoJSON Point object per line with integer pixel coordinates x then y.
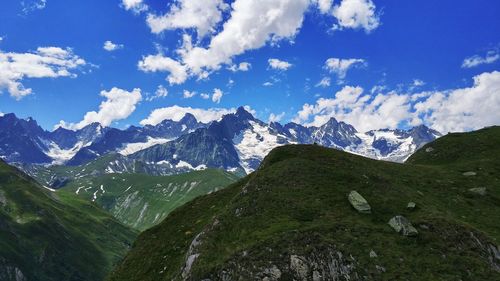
{"type": "Point", "coordinates": [242, 113]}
{"type": "Point", "coordinates": [188, 119]}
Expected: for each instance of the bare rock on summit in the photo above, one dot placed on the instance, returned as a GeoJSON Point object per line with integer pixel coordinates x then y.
{"type": "Point", "coordinates": [359, 203]}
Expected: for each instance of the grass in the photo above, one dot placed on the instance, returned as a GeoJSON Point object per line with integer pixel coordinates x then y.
{"type": "Point", "coordinates": [296, 203]}
{"type": "Point", "coordinates": [49, 236]}
{"type": "Point", "coordinates": [141, 201]}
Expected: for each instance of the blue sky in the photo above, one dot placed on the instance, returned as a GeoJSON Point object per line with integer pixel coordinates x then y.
{"type": "Point", "coordinates": [427, 62]}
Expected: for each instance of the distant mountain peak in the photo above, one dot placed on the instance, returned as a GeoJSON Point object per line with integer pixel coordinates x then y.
{"type": "Point", "coordinates": [188, 119]}
{"type": "Point", "coordinates": [242, 113]}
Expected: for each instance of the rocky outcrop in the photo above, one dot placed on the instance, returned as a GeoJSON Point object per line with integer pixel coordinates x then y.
{"type": "Point", "coordinates": [479, 191]}
{"type": "Point", "coordinates": [403, 226]}
{"type": "Point", "coordinates": [359, 203]}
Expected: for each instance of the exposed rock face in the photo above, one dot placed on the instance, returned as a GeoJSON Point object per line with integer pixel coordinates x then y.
{"type": "Point", "coordinates": [403, 226]}
{"type": "Point", "coordinates": [359, 203]}
{"type": "Point", "coordinates": [468, 174]}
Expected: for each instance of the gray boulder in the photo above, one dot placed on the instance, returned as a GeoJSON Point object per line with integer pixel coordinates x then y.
{"type": "Point", "coordinates": [479, 190]}
{"type": "Point", "coordinates": [411, 206]}
{"type": "Point", "coordinates": [403, 226]}
{"type": "Point", "coordinates": [468, 174]}
{"type": "Point", "coordinates": [359, 203]}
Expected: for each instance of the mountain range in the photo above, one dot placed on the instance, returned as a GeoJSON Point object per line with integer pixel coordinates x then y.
{"type": "Point", "coordinates": [236, 142]}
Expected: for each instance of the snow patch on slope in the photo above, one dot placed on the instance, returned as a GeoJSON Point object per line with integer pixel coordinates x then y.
{"type": "Point", "coordinates": [132, 148]}
{"type": "Point", "coordinates": [254, 144]}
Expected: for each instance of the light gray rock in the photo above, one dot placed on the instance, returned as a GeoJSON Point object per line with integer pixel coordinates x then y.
{"type": "Point", "coordinates": [403, 226]}
{"type": "Point", "coordinates": [411, 206]}
{"type": "Point", "coordinates": [359, 203]}
{"type": "Point", "coordinates": [429, 149]}
{"type": "Point", "coordinates": [373, 254]}
{"type": "Point", "coordinates": [468, 174]}
{"type": "Point", "coordinates": [479, 190]}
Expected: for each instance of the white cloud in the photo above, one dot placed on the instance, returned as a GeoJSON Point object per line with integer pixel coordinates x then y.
{"type": "Point", "coordinates": [110, 46]}
{"type": "Point", "coordinates": [446, 111]}
{"type": "Point", "coordinates": [204, 96]}
{"type": "Point", "coordinates": [418, 83]}
{"type": "Point", "coordinates": [276, 117]}
{"type": "Point", "coordinates": [279, 64]}
{"type": "Point", "coordinates": [325, 82]}
{"type": "Point", "coordinates": [1, 114]}
{"type": "Point", "coordinates": [154, 63]}
{"type": "Point", "coordinates": [267, 84]}
{"type": "Point", "coordinates": [243, 66]}
{"type": "Point", "coordinates": [464, 109]}
{"type": "Point", "coordinates": [356, 14]}
{"type": "Point", "coordinates": [324, 5]}
{"type": "Point", "coordinates": [45, 62]}
{"type": "Point", "coordinates": [185, 14]}
{"type": "Point", "coordinates": [136, 6]}
{"type": "Point", "coordinates": [251, 25]}
{"type": "Point", "coordinates": [217, 95]}
{"type": "Point", "coordinates": [33, 5]}
{"type": "Point", "coordinates": [491, 57]}
{"type": "Point", "coordinates": [341, 66]}
{"type": "Point", "coordinates": [161, 92]}
{"type": "Point", "coordinates": [187, 94]}
{"type": "Point", "coordinates": [119, 104]}
{"type": "Point", "coordinates": [363, 111]}
{"type": "Point", "coordinates": [177, 112]}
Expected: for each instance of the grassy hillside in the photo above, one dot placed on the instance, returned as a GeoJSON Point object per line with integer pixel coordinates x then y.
{"type": "Point", "coordinates": [49, 236]}
{"type": "Point", "coordinates": [139, 200]}
{"type": "Point", "coordinates": [291, 220]}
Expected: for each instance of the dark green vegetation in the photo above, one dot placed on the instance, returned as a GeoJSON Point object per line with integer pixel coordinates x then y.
{"type": "Point", "coordinates": [139, 200]}
{"type": "Point", "coordinates": [50, 236]}
{"type": "Point", "coordinates": [291, 220]}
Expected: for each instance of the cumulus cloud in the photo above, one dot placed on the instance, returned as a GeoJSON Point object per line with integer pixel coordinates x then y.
{"type": "Point", "coordinates": [188, 94]}
{"type": "Point", "coordinates": [356, 14]}
{"type": "Point", "coordinates": [251, 25]}
{"type": "Point", "coordinates": [202, 16]}
{"type": "Point", "coordinates": [119, 105]}
{"type": "Point", "coordinates": [136, 6]}
{"type": "Point", "coordinates": [217, 95]}
{"type": "Point", "coordinates": [364, 111]}
{"type": "Point", "coordinates": [177, 112]}
{"type": "Point", "coordinates": [341, 66]}
{"type": "Point", "coordinates": [276, 117]}
{"type": "Point", "coordinates": [45, 62]}
{"type": "Point", "coordinates": [205, 96]}
{"type": "Point", "coordinates": [154, 63]}
{"type": "Point", "coordinates": [476, 60]}
{"type": "Point", "coordinates": [110, 46]}
{"type": "Point", "coordinates": [279, 64]}
{"type": "Point", "coordinates": [161, 92]}
{"type": "Point", "coordinates": [267, 84]}
{"type": "Point", "coordinates": [464, 109]}
{"type": "Point", "coordinates": [243, 66]}
{"type": "Point", "coordinates": [325, 82]}
{"type": "Point", "coordinates": [324, 5]}
{"type": "Point", "coordinates": [446, 111]}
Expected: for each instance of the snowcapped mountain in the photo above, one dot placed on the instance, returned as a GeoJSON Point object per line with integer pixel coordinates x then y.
{"type": "Point", "coordinates": [237, 141]}
{"type": "Point", "coordinates": [24, 141]}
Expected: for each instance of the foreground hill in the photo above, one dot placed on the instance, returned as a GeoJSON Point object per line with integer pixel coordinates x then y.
{"type": "Point", "coordinates": [292, 220]}
{"type": "Point", "coordinates": [141, 201]}
{"type": "Point", "coordinates": [47, 236]}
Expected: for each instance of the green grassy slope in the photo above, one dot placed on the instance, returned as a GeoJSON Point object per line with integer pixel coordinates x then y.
{"type": "Point", "coordinates": [139, 200]}
{"type": "Point", "coordinates": [291, 220]}
{"type": "Point", "coordinates": [49, 236]}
